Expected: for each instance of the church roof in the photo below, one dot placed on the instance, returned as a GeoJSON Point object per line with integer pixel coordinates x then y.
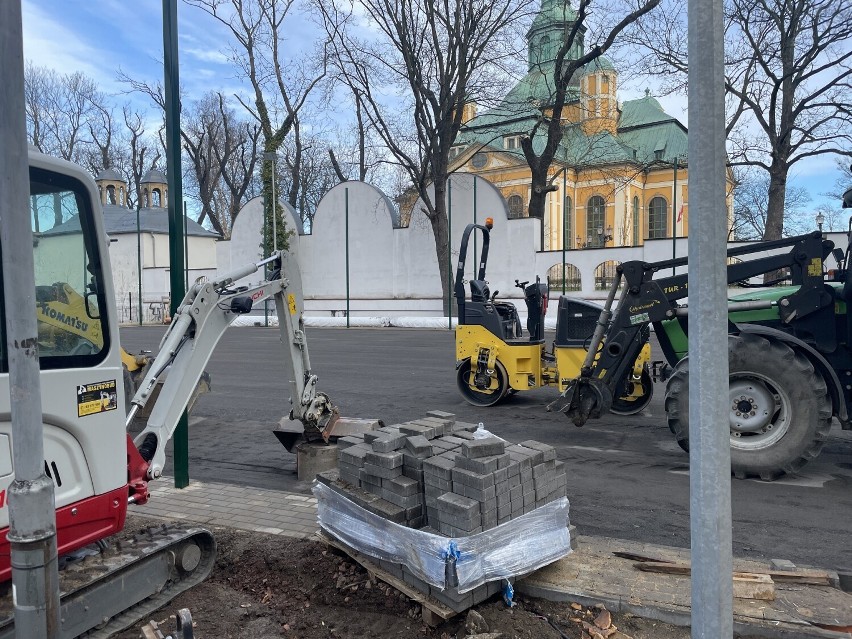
{"type": "Point", "coordinates": [154, 176]}
{"type": "Point", "coordinates": [642, 112]}
{"type": "Point", "coordinates": [109, 174]}
{"type": "Point", "coordinates": [552, 12]}
{"type": "Point", "coordinates": [118, 220]}
{"type": "Point", "coordinates": [601, 63]}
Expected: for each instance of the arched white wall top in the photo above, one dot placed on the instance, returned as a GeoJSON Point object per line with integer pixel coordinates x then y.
{"type": "Point", "coordinates": [364, 210]}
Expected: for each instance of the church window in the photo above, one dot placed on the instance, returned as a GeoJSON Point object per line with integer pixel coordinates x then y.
{"type": "Point", "coordinates": [516, 207]}
{"type": "Point", "coordinates": [657, 218]}
{"type": "Point", "coordinates": [595, 214]}
{"type": "Point", "coordinates": [479, 160]}
{"type": "Point", "coordinates": [511, 142]}
{"type": "Point", "coordinates": [456, 150]}
{"type": "Point", "coordinates": [110, 194]}
{"type": "Point", "coordinates": [635, 221]}
{"type": "Point", "coordinates": [544, 48]}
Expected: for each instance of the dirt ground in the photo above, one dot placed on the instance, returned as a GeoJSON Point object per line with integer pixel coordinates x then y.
{"type": "Point", "coordinates": [266, 586]}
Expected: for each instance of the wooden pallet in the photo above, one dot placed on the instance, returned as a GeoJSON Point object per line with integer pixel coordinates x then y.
{"type": "Point", "coordinates": [434, 612]}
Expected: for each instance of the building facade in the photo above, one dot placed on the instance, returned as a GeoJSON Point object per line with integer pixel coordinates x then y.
{"type": "Point", "coordinates": [621, 171]}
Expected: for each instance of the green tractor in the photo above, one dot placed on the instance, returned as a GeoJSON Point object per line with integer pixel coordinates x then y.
{"type": "Point", "coordinates": [789, 354]}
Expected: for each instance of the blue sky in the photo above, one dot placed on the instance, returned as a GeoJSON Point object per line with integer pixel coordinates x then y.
{"type": "Point", "coordinates": [100, 36]}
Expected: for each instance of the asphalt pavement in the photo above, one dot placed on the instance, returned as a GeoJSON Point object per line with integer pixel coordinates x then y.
{"type": "Point", "coordinates": [628, 477]}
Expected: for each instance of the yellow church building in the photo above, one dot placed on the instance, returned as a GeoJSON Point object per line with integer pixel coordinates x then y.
{"type": "Point", "coordinates": [621, 171]}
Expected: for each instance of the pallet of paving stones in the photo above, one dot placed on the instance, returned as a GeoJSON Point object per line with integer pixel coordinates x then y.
{"type": "Point", "coordinates": [456, 511]}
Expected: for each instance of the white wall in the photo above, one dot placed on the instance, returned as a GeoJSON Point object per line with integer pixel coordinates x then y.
{"type": "Point", "coordinates": [394, 271]}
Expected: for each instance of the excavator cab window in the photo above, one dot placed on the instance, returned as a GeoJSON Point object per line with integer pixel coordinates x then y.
{"type": "Point", "coordinates": [68, 274]}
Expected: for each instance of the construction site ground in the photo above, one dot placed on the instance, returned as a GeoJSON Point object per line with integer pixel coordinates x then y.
{"type": "Point", "coordinates": [274, 577]}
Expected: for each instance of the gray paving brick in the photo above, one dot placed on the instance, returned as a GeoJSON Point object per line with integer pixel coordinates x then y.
{"type": "Point", "coordinates": [457, 504]}
{"type": "Point", "coordinates": [402, 501]}
{"type": "Point", "coordinates": [390, 459]}
{"type": "Point", "coordinates": [416, 428]}
{"type": "Point", "coordinates": [483, 447]}
{"type": "Point", "coordinates": [474, 480]}
{"type": "Point", "coordinates": [481, 465]}
{"type": "Point", "coordinates": [436, 482]}
{"type": "Point", "coordinates": [418, 446]}
{"type": "Point", "coordinates": [354, 454]}
{"type": "Point", "coordinates": [412, 473]}
{"type": "Point", "coordinates": [543, 468]}
{"type": "Point", "coordinates": [474, 493]}
{"type": "Point", "coordinates": [439, 466]}
{"type": "Point", "coordinates": [378, 471]}
{"type": "Point", "coordinates": [548, 451]}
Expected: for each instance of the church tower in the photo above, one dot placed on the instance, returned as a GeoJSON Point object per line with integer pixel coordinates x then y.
{"type": "Point", "coordinates": [155, 190]}
{"type": "Point", "coordinates": [112, 188]}
{"type": "Point", "coordinates": [547, 33]}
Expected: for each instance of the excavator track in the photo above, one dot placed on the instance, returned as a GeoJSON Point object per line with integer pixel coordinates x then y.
{"type": "Point", "coordinates": [106, 590]}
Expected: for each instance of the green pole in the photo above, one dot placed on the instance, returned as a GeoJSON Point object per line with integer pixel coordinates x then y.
{"type": "Point", "coordinates": [139, 258]}
{"type": "Point", "coordinates": [564, 221]}
{"type": "Point", "coordinates": [346, 192]}
{"type": "Point", "coordinates": [173, 168]}
{"type": "Point", "coordinates": [449, 254]}
{"type": "Point", "coordinates": [264, 253]}
{"type": "Point", "coordinates": [475, 261]}
{"type": "Point", "coordinates": [185, 251]}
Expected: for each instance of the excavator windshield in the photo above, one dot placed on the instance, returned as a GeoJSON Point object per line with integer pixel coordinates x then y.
{"type": "Point", "coordinates": [68, 274]}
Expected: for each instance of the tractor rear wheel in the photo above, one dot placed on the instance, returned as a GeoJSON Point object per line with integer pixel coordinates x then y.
{"type": "Point", "coordinates": [497, 388]}
{"type": "Point", "coordinates": [779, 412]}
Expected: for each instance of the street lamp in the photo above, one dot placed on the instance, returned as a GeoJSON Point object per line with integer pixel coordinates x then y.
{"type": "Point", "coordinates": [820, 218]}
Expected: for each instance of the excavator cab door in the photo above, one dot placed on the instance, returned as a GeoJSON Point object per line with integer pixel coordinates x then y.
{"type": "Point", "coordinates": [81, 376]}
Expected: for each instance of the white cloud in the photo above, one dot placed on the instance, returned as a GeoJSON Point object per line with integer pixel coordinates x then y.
{"type": "Point", "coordinates": [206, 55]}
{"type": "Point", "coordinates": [49, 43]}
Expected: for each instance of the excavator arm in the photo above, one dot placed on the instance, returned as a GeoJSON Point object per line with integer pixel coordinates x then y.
{"type": "Point", "coordinates": [199, 322]}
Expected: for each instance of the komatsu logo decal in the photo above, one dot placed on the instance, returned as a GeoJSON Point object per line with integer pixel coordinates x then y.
{"type": "Point", "coordinates": [62, 318]}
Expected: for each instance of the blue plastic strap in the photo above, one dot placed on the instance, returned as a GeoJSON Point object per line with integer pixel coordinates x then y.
{"type": "Point", "coordinates": [508, 594]}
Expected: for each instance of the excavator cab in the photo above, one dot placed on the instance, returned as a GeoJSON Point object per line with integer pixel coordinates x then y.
{"type": "Point", "coordinates": [85, 442]}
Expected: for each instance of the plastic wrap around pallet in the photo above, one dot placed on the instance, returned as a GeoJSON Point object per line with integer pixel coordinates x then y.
{"type": "Point", "coordinates": [514, 548]}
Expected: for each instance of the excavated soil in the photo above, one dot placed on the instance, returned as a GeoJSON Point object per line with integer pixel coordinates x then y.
{"type": "Point", "coordinates": [266, 586]}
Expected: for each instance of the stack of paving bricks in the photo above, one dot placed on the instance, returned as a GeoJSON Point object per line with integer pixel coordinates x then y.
{"type": "Point", "coordinates": [488, 483]}
{"type": "Point", "coordinates": [435, 475]}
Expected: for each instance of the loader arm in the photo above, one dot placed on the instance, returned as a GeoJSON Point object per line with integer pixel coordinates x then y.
{"type": "Point", "coordinates": [206, 311]}
{"type": "Point", "coordinates": [644, 300]}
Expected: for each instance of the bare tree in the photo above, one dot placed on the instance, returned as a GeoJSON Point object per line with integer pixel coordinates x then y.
{"type": "Point", "coordinates": [213, 138]}
{"type": "Point", "coordinates": [437, 56]}
{"type": "Point", "coordinates": [281, 85]}
{"type": "Point", "coordinates": [306, 172]}
{"type": "Point", "coordinates": [145, 153]}
{"type": "Point", "coordinates": [61, 111]}
{"type": "Point", "coordinates": [751, 207]}
{"type": "Point", "coordinates": [787, 75]}
{"type": "Point", "coordinates": [549, 130]}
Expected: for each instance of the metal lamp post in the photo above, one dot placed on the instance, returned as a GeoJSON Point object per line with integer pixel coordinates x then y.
{"type": "Point", "coordinates": [820, 219]}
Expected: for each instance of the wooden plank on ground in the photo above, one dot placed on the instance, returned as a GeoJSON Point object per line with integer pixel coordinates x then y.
{"type": "Point", "coordinates": [805, 577]}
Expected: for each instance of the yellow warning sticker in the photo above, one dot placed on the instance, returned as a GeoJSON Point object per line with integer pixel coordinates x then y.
{"type": "Point", "coordinates": [96, 398]}
{"type": "Point", "coordinates": [291, 302]}
{"type": "Point", "coordinates": [815, 267]}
